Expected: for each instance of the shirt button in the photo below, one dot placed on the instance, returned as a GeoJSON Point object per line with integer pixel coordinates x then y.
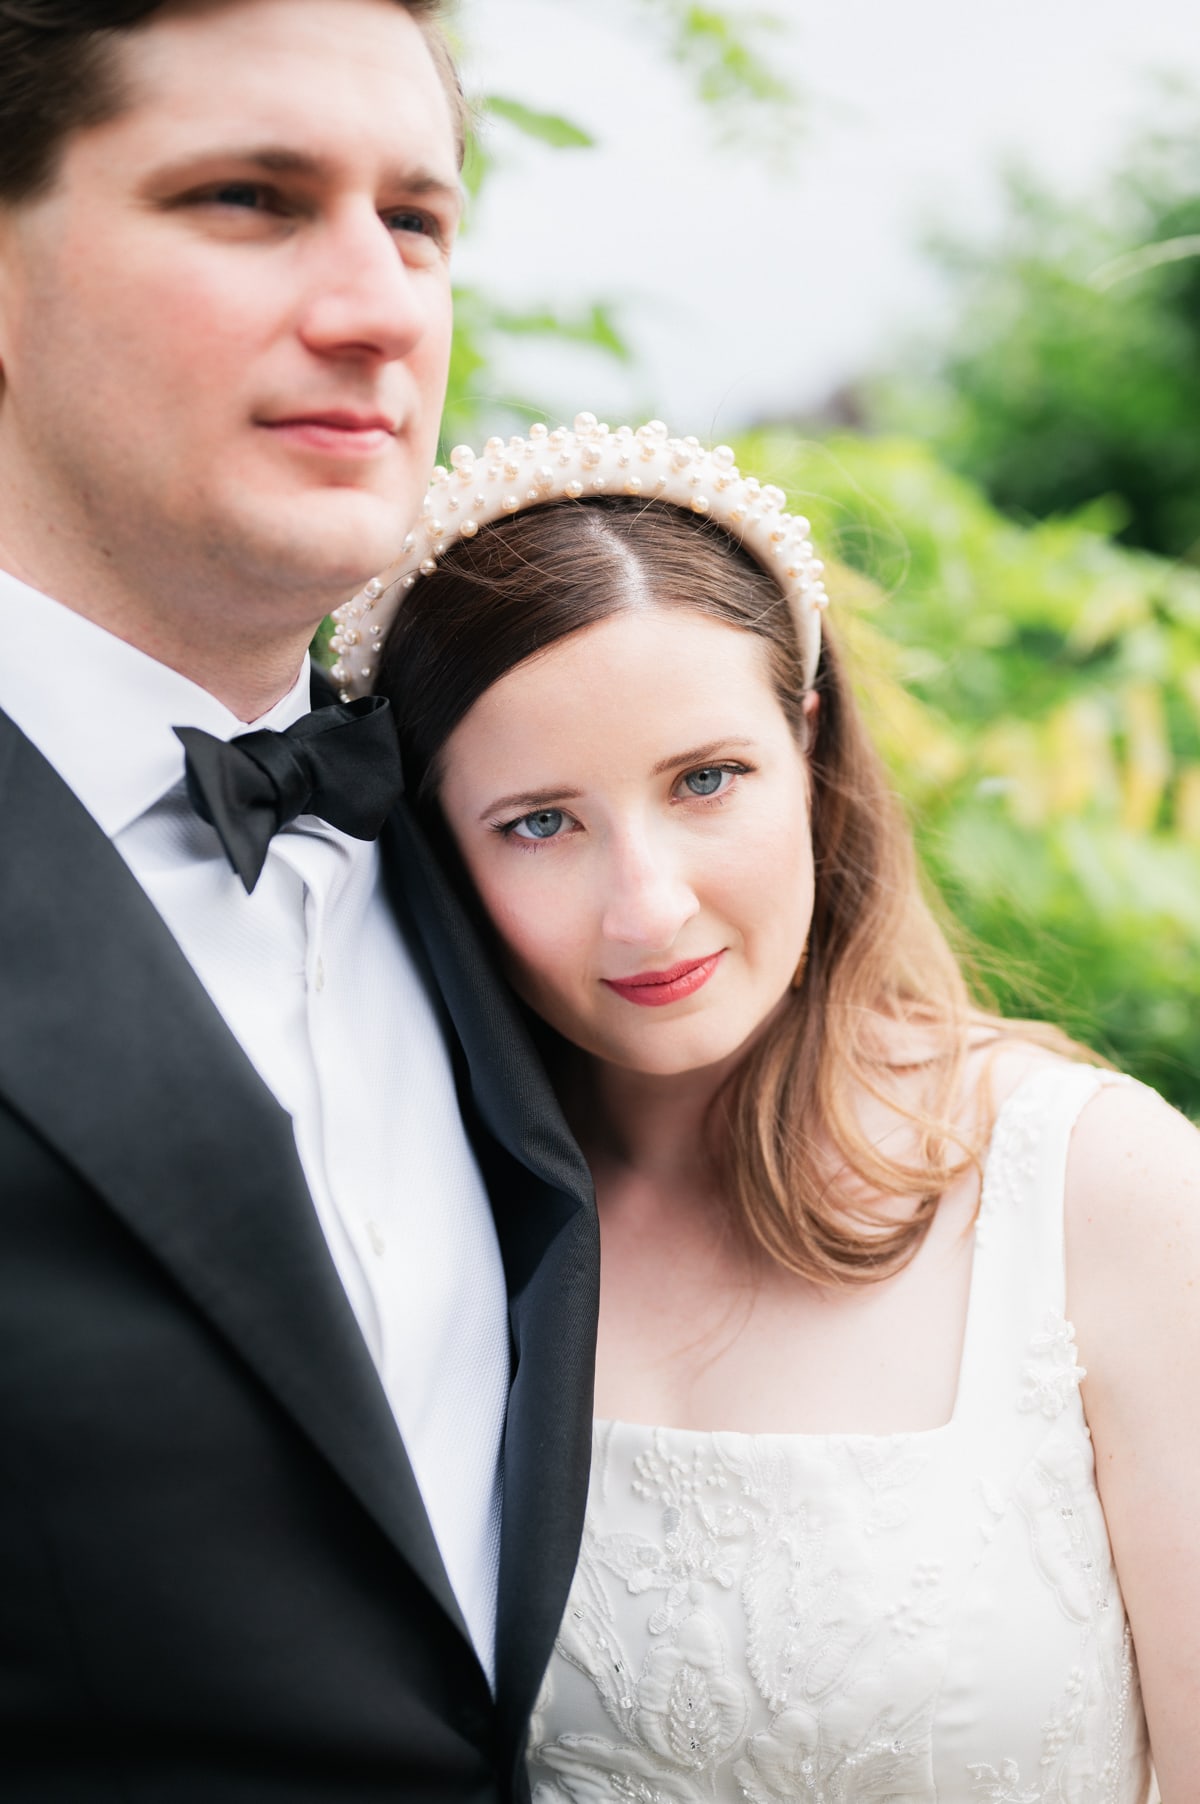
{"type": "Point", "coordinates": [375, 1236]}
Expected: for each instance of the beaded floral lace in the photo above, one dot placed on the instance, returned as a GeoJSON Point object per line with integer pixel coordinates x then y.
{"type": "Point", "coordinates": [847, 1619]}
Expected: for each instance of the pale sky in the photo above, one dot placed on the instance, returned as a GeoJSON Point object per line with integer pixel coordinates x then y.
{"type": "Point", "coordinates": [750, 289]}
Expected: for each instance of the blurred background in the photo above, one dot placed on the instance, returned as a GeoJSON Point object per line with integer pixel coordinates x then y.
{"type": "Point", "coordinates": [935, 269]}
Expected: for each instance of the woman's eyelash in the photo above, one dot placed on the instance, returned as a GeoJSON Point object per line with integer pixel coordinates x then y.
{"type": "Point", "coordinates": [729, 769]}
{"type": "Point", "coordinates": [508, 828]}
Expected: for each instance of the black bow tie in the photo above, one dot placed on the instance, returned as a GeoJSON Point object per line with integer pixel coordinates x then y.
{"type": "Point", "coordinates": [341, 763]}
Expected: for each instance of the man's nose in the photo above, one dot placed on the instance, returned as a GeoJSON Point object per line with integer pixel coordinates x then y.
{"type": "Point", "coordinates": [364, 300]}
{"type": "Point", "coordinates": [650, 897]}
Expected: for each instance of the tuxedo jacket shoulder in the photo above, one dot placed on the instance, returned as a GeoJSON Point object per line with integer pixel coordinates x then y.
{"type": "Point", "coordinates": [219, 1581]}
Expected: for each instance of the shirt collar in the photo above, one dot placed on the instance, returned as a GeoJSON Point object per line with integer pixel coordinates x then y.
{"type": "Point", "coordinates": [101, 711]}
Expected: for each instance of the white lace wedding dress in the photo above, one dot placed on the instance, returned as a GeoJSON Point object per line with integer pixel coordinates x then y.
{"type": "Point", "coordinates": [849, 1618]}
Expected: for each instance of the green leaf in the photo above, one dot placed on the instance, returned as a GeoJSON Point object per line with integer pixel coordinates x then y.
{"type": "Point", "coordinates": [595, 327]}
{"type": "Point", "coordinates": [547, 128]}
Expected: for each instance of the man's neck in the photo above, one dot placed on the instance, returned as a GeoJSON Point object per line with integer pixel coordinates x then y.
{"type": "Point", "coordinates": [247, 667]}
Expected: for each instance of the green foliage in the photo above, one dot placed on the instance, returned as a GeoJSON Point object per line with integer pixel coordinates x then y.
{"type": "Point", "coordinates": [721, 53]}
{"type": "Point", "coordinates": [548, 128]}
{"type": "Point", "coordinates": [1037, 694]}
{"type": "Point", "coordinates": [1074, 370]}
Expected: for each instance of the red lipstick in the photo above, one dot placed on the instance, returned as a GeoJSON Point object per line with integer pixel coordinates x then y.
{"type": "Point", "coordinates": [655, 989]}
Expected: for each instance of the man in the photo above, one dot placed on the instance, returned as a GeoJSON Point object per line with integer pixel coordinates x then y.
{"type": "Point", "coordinates": [258, 1321]}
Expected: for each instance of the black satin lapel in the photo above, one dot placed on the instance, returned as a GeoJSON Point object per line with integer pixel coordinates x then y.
{"type": "Point", "coordinates": [545, 1216]}
{"type": "Point", "coordinates": [113, 1051]}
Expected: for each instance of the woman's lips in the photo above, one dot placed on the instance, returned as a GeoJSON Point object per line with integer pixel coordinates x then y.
{"type": "Point", "coordinates": [655, 989]}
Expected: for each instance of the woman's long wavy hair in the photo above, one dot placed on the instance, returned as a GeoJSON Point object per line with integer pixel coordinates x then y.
{"type": "Point", "coordinates": [881, 994]}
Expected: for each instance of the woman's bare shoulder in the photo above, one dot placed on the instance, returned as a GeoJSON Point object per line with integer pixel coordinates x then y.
{"type": "Point", "coordinates": [1133, 1182]}
{"type": "Point", "coordinates": [1133, 1286]}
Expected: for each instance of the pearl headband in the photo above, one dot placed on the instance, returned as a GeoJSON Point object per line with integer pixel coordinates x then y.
{"type": "Point", "coordinates": [560, 465]}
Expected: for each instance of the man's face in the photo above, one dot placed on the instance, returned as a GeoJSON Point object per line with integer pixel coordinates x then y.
{"type": "Point", "coordinates": [224, 331]}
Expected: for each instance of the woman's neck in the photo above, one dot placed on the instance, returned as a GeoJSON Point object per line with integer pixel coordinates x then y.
{"type": "Point", "coordinates": [654, 1127]}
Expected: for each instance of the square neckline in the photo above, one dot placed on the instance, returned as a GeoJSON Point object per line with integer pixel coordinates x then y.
{"type": "Point", "coordinates": [988, 1184]}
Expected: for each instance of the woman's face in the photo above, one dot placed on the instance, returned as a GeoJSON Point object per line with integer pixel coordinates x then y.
{"type": "Point", "coordinates": [632, 807]}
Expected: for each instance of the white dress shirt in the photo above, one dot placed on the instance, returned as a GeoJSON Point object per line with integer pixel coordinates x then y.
{"type": "Point", "coordinates": [314, 980]}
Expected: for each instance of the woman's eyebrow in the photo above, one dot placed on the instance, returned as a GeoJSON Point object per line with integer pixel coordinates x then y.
{"type": "Point", "coordinates": [530, 799]}
{"type": "Point", "coordinates": [698, 754]}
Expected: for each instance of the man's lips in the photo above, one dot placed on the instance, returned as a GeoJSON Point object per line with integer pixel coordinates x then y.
{"type": "Point", "coordinates": [655, 989]}
{"type": "Point", "coordinates": [337, 431]}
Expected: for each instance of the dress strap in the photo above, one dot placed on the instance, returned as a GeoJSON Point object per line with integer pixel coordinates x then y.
{"type": "Point", "coordinates": [1018, 1347]}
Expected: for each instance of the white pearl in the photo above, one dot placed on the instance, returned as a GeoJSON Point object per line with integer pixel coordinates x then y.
{"type": "Point", "coordinates": [574, 490]}
{"type": "Point", "coordinates": [584, 423]}
{"type": "Point", "coordinates": [470, 528]}
{"type": "Point", "coordinates": [511, 503]}
{"type": "Point", "coordinates": [427, 566]}
{"type": "Point", "coordinates": [374, 588]}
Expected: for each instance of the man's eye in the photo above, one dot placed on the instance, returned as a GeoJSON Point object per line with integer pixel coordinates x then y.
{"type": "Point", "coordinates": [239, 194]}
{"type": "Point", "coordinates": [707, 782]}
{"type": "Point", "coordinates": [547, 823]}
{"type": "Point", "coordinates": [404, 219]}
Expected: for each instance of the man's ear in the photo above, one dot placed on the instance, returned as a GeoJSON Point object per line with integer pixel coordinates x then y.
{"type": "Point", "coordinates": [810, 707]}
{"type": "Point", "coordinates": [7, 252]}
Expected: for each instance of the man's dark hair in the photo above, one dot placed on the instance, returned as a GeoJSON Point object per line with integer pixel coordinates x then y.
{"type": "Point", "coordinates": [59, 74]}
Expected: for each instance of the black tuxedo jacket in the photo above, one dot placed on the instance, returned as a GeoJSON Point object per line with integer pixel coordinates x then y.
{"type": "Point", "coordinates": [218, 1584]}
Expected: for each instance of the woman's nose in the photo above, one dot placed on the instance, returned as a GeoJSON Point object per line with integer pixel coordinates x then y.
{"type": "Point", "coordinates": [649, 896]}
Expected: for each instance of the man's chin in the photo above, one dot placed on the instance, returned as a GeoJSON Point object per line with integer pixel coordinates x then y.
{"type": "Point", "coordinates": [334, 541]}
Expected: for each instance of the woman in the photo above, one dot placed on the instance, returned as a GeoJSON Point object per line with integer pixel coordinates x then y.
{"type": "Point", "coordinates": [846, 1538]}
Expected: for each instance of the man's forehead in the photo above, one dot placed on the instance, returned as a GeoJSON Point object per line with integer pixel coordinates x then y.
{"type": "Point", "coordinates": [292, 80]}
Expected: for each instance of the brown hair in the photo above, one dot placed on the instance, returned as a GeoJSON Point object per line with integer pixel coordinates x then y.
{"type": "Point", "coordinates": [881, 993]}
{"type": "Point", "coordinates": [58, 75]}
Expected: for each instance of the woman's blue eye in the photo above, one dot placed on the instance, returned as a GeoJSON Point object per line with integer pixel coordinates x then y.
{"type": "Point", "coordinates": [706, 782]}
{"type": "Point", "coordinates": [543, 825]}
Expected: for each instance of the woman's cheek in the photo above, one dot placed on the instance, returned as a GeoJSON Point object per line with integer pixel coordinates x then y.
{"type": "Point", "coordinates": [539, 924]}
